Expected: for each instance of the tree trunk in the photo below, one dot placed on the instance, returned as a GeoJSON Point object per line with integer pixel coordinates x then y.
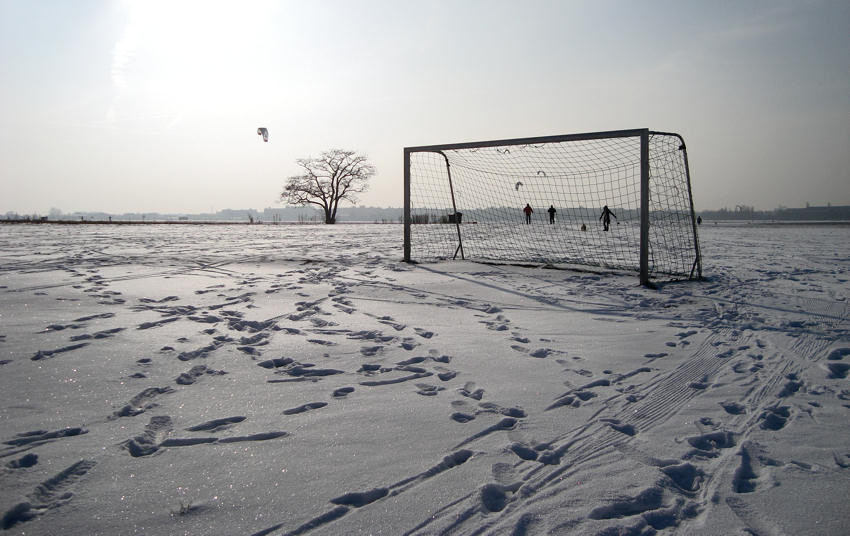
{"type": "Point", "coordinates": [334, 204]}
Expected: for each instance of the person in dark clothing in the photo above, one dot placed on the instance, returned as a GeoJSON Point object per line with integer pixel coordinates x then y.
{"type": "Point", "coordinates": [528, 212]}
{"type": "Point", "coordinates": [551, 212]}
{"type": "Point", "coordinates": [606, 217]}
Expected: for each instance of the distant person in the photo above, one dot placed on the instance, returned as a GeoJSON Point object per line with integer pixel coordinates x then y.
{"type": "Point", "coordinates": [551, 212]}
{"type": "Point", "coordinates": [606, 217]}
{"type": "Point", "coordinates": [583, 227]}
{"type": "Point", "coordinates": [699, 220]}
{"type": "Point", "coordinates": [528, 212]}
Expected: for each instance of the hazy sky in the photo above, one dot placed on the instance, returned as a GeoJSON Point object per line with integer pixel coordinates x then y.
{"type": "Point", "coordinates": [153, 106]}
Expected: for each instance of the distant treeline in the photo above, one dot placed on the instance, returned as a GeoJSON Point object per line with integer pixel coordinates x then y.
{"type": "Point", "coordinates": [809, 213]}
{"type": "Point", "coordinates": [249, 215]}
{"type": "Point", "coordinates": [396, 215]}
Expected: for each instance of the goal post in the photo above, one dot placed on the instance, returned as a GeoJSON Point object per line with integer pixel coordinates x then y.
{"type": "Point", "coordinates": [620, 200]}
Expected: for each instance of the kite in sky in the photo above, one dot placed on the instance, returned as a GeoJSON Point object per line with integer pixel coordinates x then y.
{"type": "Point", "coordinates": [264, 132]}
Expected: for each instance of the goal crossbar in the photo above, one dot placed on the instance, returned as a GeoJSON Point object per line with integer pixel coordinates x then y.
{"type": "Point", "coordinates": [529, 141]}
{"type": "Point", "coordinates": [478, 190]}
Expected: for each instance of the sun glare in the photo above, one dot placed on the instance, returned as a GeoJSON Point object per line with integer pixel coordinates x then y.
{"type": "Point", "coordinates": [175, 58]}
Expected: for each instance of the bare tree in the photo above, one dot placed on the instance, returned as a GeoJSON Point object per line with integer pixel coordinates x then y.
{"type": "Point", "coordinates": [335, 175]}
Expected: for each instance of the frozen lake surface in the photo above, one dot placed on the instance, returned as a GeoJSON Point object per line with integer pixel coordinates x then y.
{"type": "Point", "coordinates": [271, 380]}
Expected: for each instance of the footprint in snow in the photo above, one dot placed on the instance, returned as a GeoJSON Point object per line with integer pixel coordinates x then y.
{"type": "Point", "coordinates": [445, 374]}
{"type": "Point", "coordinates": [49, 495]}
{"type": "Point", "coordinates": [837, 370]}
{"type": "Point", "coordinates": [425, 334]}
{"type": "Point", "coordinates": [392, 323]}
{"type": "Point", "coordinates": [733, 408]}
{"type": "Point", "coordinates": [304, 407]}
{"type": "Point", "coordinates": [490, 407]}
{"type": "Point", "coordinates": [193, 374]}
{"type": "Point", "coordinates": [616, 425]}
{"type": "Point", "coordinates": [27, 460]}
{"type": "Point", "coordinates": [469, 391]}
{"type": "Point", "coordinates": [408, 343]}
{"type": "Point", "coordinates": [425, 389]}
{"type": "Point", "coordinates": [525, 452]}
{"type": "Point", "coordinates": [141, 402]}
{"type": "Point", "coordinates": [704, 383]}
{"type": "Point", "coordinates": [791, 386]}
{"type": "Point", "coordinates": [342, 392]}
{"type": "Point", "coordinates": [838, 354]}
{"type": "Point", "coordinates": [750, 472]}
{"type": "Point", "coordinates": [321, 342]}
{"type": "Point", "coordinates": [685, 476]}
{"type": "Point", "coordinates": [708, 445]}
{"type": "Point", "coordinates": [775, 418]}
{"type": "Point", "coordinates": [217, 425]}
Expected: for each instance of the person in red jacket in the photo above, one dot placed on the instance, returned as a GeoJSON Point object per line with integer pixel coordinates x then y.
{"type": "Point", "coordinates": [528, 212]}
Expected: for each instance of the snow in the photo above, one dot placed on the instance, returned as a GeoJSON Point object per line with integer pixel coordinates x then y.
{"type": "Point", "coordinates": [293, 379]}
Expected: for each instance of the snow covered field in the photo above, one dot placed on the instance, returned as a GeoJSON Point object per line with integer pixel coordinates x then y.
{"type": "Point", "coordinates": [252, 380]}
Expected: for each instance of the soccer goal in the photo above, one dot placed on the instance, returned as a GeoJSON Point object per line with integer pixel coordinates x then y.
{"type": "Point", "coordinates": [541, 200]}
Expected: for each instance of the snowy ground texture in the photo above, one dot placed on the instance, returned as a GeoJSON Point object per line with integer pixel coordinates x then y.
{"type": "Point", "coordinates": [271, 380]}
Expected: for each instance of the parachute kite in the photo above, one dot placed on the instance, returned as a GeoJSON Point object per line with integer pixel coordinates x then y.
{"type": "Point", "coordinates": [517, 185]}
{"type": "Point", "coordinates": [264, 132]}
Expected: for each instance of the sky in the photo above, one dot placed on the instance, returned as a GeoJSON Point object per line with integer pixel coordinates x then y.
{"type": "Point", "coordinates": [153, 106]}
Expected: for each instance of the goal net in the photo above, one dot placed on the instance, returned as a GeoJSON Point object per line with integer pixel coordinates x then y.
{"type": "Point", "coordinates": [541, 200]}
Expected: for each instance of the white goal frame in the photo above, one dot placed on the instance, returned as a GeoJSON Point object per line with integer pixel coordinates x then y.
{"type": "Point", "coordinates": [639, 138]}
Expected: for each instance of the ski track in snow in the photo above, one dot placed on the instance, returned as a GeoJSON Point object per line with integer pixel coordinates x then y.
{"type": "Point", "coordinates": [750, 353]}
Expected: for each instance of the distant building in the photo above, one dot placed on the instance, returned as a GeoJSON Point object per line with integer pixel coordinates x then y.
{"type": "Point", "coordinates": [828, 213]}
